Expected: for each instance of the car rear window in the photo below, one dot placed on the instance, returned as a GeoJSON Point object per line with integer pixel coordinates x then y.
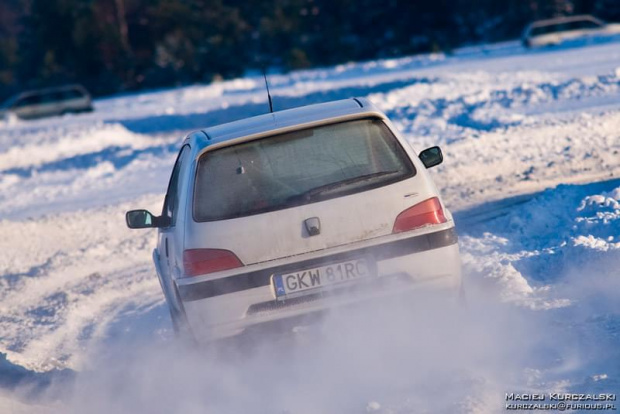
{"type": "Point", "coordinates": [296, 168]}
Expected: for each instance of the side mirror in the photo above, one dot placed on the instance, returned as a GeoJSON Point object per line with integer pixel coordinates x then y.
{"type": "Point", "coordinates": [431, 156]}
{"type": "Point", "coordinates": [140, 219]}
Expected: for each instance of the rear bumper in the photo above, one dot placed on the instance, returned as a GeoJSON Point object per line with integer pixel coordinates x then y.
{"type": "Point", "coordinates": [227, 306]}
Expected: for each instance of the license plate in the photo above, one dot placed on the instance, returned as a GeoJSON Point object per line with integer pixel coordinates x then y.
{"type": "Point", "coordinates": [319, 277]}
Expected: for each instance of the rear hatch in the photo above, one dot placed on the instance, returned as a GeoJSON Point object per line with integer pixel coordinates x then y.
{"type": "Point", "coordinates": [260, 199]}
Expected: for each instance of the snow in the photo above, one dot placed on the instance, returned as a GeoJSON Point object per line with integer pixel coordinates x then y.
{"type": "Point", "coordinates": [531, 142]}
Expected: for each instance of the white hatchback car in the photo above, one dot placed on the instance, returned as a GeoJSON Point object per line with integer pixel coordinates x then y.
{"type": "Point", "coordinates": [276, 218]}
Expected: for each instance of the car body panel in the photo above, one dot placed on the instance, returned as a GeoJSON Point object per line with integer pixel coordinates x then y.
{"type": "Point", "coordinates": [257, 126]}
{"type": "Point", "coordinates": [282, 233]}
{"type": "Point", "coordinates": [229, 314]}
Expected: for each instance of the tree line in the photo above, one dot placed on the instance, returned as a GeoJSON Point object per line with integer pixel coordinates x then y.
{"type": "Point", "coordinates": [120, 45]}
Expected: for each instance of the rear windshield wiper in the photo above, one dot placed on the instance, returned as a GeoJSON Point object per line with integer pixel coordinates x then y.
{"type": "Point", "coordinates": [308, 195]}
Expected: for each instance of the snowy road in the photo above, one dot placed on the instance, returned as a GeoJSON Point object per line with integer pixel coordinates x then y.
{"type": "Point", "coordinates": [532, 145]}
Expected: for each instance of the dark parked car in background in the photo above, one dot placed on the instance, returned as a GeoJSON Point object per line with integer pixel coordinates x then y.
{"type": "Point", "coordinates": [553, 32]}
{"type": "Point", "coordinates": [48, 102]}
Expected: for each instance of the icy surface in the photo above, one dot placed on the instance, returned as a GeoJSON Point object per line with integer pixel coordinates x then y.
{"type": "Point", "coordinates": [532, 155]}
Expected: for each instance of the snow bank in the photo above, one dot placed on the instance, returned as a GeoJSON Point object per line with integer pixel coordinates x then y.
{"type": "Point", "coordinates": [532, 245]}
{"type": "Point", "coordinates": [62, 145]}
{"type": "Point", "coordinates": [494, 147]}
{"type": "Point", "coordinates": [66, 279]}
{"type": "Point", "coordinates": [557, 255]}
{"type": "Point", "coordinates": [77, 166]}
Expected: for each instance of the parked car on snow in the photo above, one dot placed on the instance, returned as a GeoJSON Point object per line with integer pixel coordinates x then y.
{"type": "Point", "coordinates": [48, 102]}
{"type": "Point", "coordinates": [280, 216]}
{"type": "Point", "coordinates": [556, 31]}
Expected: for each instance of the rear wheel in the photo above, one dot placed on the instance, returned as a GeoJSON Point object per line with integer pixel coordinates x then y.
{"type": "Point", "coordinates": [462, 298]}
{"type": "Point", "coordinates": [179, 320]}
{"type": "Point", "coordinates": [175, 308]}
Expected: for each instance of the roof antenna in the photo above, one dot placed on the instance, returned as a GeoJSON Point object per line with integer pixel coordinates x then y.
{"type": "Point", "coordinates": [268, 94]}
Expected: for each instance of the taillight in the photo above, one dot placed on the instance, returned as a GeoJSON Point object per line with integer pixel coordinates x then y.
{"type": "Point", "coordinates": [422, 214]}
{"type": "Point", "coordinates": [202, 261]}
